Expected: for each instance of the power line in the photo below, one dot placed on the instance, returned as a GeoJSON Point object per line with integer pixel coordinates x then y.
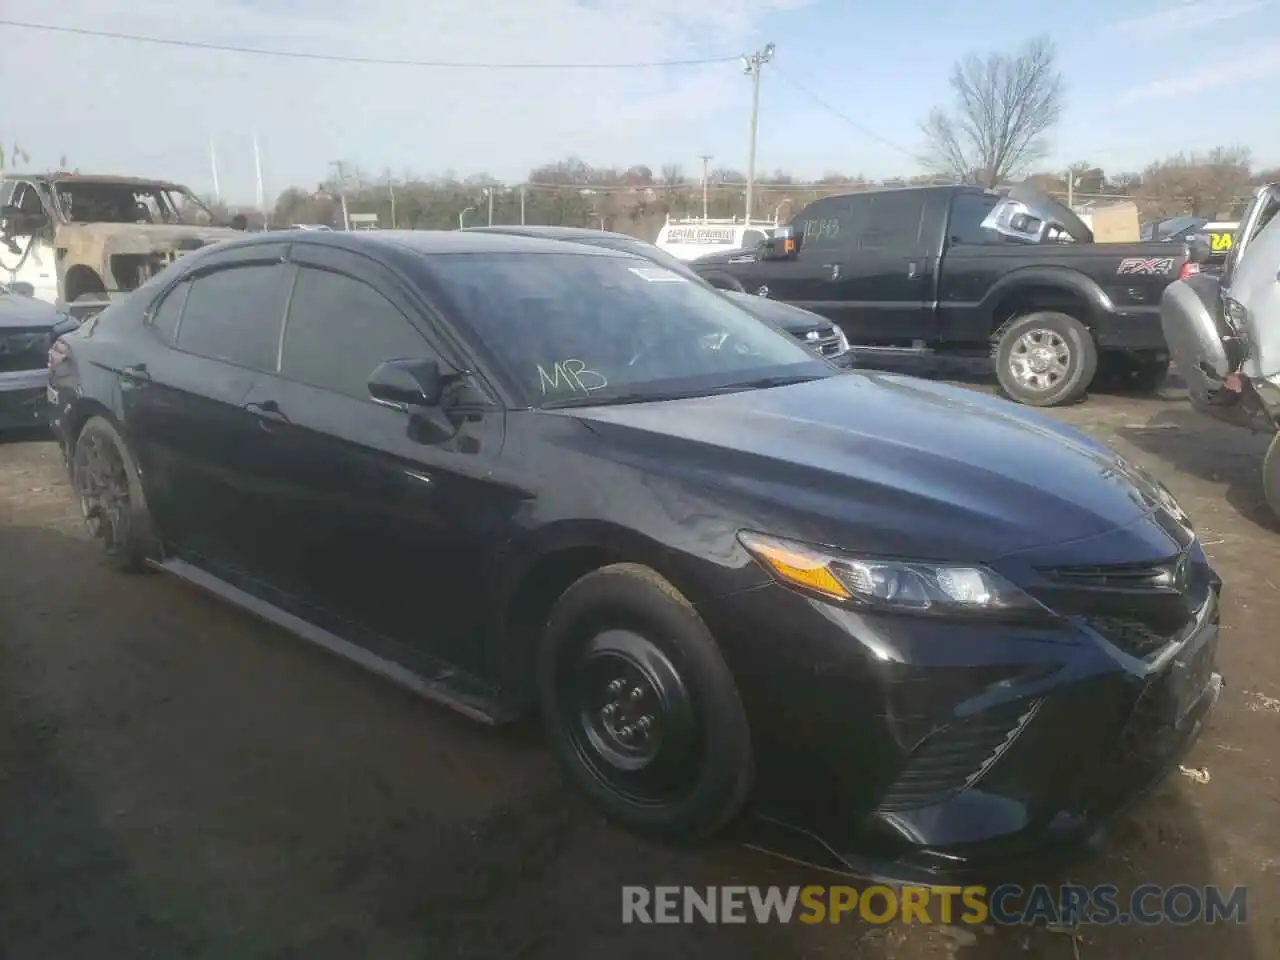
{"type": "Point", "coordinates": [343, 58]}
{"type": "Point", "coordinates": [865, 131]}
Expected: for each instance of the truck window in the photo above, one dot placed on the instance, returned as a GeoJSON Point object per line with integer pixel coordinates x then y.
{"type": "Point", "coordinates": [968, 210]}
{"type": "Point", "coordinates": [895, 219]}
{"type": "Point", "coordinates": [832, 223]}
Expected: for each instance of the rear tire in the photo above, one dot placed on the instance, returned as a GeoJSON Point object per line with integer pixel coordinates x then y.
{"type": "Point", "coordinates": [1045, 359]}
{"type": "Point", "coordinates": [641, 706]}
{"type": "Point", "coordinates": [105, 478]}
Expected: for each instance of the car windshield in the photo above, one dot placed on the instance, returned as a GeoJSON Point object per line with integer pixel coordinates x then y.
{"type": "Point", "coordinates": [94, 201]}
{"type": "Point", "coordinates": [575, 329]}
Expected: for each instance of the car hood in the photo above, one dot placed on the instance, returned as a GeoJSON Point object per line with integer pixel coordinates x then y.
{"type": "Point", "coordinates": [722, 257]}
{"type": "Point", "coordinates": [789, 318]}
{"type": "Point", "coordinates": [903, 466]}
{"type": "Point", "coordinates": [26, 312]}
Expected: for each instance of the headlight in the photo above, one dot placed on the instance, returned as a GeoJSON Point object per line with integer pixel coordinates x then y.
{"type": "Point", "coordinates": [843, 340]}
{"type": "Point", "coordinates": [893, 585]}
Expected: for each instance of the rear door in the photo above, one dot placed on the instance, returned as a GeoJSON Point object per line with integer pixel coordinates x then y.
{"type": "Point", "coordinates": [183, 394]}
{"type": "Point", "coordinates": [365, 520]}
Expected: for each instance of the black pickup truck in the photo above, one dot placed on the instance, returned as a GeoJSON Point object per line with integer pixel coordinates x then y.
{"type": "Point", "coordinates": [962, 270]}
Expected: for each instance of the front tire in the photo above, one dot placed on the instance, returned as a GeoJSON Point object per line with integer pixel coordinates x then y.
{"type": "Point", "coordinates": [1045, 359]}
{"type": "Point", "coordinates": [641, 706]}
{"type": "Point", "coordinates": [1271, 476]}
{"type": "Point", "coordinates": [109, 488]}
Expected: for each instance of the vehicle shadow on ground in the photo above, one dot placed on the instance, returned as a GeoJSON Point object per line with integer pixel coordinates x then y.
{"type": "Point", "coordinates": [1206, 448]}
{"type": "Point", "coordinates": [179, 780]}
{"type": "Point", "coordinates": [25, 435]}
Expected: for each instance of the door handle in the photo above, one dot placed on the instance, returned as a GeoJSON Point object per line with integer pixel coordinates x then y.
{"type": "Point", "coordinates": [268, 413]}
{"type": "Point", "coordinates": [136, 374]}
{"type": "Point", "coordinates": [914, 272]}
{"type": "Point", "coordinates": [835, 270]}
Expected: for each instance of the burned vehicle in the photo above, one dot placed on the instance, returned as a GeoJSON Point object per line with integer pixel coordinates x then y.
{"type": "Point", "coordinates": [81, 241]}
{"type": "Point", "coordinates": [1224, 332]}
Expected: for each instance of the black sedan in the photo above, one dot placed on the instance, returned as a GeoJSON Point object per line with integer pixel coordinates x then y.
{"type": "Point", "coordinates": [27, 328]}
{"type": "Point", "coordinates": [816, 332]}
{"type": "Point", "coordinates": [910, 629]}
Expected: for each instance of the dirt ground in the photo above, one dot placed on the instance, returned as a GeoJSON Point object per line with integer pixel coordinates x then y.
{"type": "Point", "coordinates": [179, 780]}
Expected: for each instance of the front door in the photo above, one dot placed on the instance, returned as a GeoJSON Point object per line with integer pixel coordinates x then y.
{"type": "Point", "coordinates": [26, 249]}
{"type": "Point", "coordinates": [368, 522]}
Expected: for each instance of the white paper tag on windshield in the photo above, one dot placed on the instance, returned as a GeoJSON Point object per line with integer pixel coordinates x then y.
{"type": "Point", "coordinates": [657, 275]}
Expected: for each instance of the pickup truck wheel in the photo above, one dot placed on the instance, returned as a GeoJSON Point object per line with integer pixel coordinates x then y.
{"type": "Point", "coordinates": [1271, 476]}
{"type": "Point", "coordinates": [1045, 359]}
{"type": "Point", "coordinates": [641, 706]}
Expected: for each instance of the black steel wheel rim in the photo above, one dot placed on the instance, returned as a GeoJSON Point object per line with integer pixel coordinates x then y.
{"type": "Point", "coordinates": [632, 717]}
{"type": "Point", "coordinates": [103, 488]}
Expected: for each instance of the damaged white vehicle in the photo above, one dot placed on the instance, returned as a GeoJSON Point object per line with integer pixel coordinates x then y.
{"type": "Point", "coordinates": [82, 241]}
{"type": "Point", "coordinates": [1224, 332]}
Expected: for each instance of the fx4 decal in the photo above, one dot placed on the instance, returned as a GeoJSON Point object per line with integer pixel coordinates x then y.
{"type": "Point", "coordinates": [1145, 266]}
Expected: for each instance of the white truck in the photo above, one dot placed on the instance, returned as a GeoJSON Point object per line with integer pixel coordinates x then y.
{"type": "Point", "coordinates": [690, 238]}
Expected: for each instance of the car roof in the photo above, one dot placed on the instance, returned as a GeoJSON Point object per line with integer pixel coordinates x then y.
{"type": "Point", "coordinates": [63, 177]}
{"type": "Point", "coordinates": [551, 232]}
{"type": "Point", "coordinates": [397, 242]}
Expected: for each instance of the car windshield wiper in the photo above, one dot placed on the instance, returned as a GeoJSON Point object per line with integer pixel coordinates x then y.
{"type": "Point", "coordinates": [637, 396]}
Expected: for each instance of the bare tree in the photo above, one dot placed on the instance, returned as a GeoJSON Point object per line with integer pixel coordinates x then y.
{"type": "Point", "coordinates": [1005, 104]}
{"type": "Point", "coordinates": [1203, 185]}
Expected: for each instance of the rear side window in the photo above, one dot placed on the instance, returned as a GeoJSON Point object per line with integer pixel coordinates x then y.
{"type": "Point", "coordinates": [895, 219]}
{"type": "Point", "coordinates": [340, 329]}
{"type": "Point", "coordinates": [834, 223]}
{"type": "Point", "coordinates": [234, 315]}
{"type": "Point", "coordinates": [164, 317]}
{"type": "Point", "coordinates": [968, 210]}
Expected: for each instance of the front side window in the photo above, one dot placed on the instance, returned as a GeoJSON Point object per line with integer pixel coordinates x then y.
{"type": "Point", "coordinates": [235, 315]}
{"type": "Point", "coordinates": [576, 328]}
{"type": "Point", "coordinates": [338, 332]}
{"type": "Point", "coordinates": [831, 224]}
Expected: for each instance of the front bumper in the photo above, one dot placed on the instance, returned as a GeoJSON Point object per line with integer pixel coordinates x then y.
{"type": "Point", "coordinates": [913, 752]}
{"type": "Point", "coordinates": [23, 401]}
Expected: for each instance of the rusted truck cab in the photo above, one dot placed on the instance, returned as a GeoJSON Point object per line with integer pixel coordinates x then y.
{"type": "Point", "coordinates": [82, 241]}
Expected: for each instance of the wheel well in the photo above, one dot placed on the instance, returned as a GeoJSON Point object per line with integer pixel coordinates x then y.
{"type": "Point", "coordinates": [79, 416]}
{"type": "Point", "coordinates": [550, 576]}
{"type": "Point", "coordinates": [82, 280]}
{"type": "Point", "coordinates": [1030, 299]}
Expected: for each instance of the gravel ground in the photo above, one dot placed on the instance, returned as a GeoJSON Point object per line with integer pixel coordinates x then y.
{"type": "Point", "coordinates": [179, 780]}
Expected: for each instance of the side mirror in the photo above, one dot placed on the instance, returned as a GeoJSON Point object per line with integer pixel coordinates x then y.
{"type": "Point", "coordinates": [22, 288]}
{"type": "Point", "coordinates": [785, 242]}
{"type": "Point", "coordinates": [406, 384]}
{"type": "Point", "coordinates": [1199, 249]}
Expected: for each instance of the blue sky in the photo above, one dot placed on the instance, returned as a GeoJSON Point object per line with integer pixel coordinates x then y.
{"type": "Point", "coordinates": [1151, 78]}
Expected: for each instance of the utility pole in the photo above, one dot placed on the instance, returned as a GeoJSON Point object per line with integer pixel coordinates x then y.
{"type": "Point", "coordinates": [706, 159]}
{"type": "Point", "coordinates": [489, 191]}
{"type": "Point", "coordinates": [751, 67]}
{"type": "Point", "coordinates": [1071, 190]}
{"type": "Point", "coordinates": [522, 188]}
{"type": "Point", "coordinates": [391, 190]}
{"type": "Point", "coordinates": [341, 172]}
{"type": "Point", "coordinates": [260, 196]}
{"type": "Point", "coordinates": [213, 167]}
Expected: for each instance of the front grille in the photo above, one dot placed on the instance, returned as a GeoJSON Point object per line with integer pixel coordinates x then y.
{"type": "Point", "coordinates": [1129, 576]}
{"type": "Point", "coordinates": [826, 343]}
{"type": "Point", "coordinates": [23, 350]}
{"type": "Point", "coordinates": [955, 757]}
